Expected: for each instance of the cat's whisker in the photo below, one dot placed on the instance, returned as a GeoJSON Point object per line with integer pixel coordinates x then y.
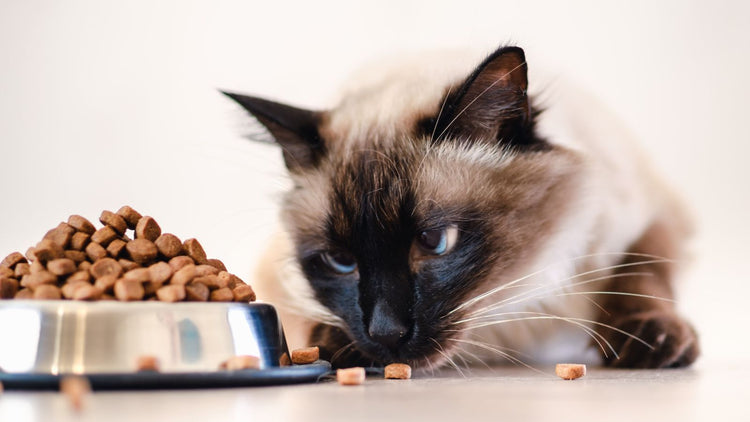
{"type": "Point", "coordinates": [447, 357]}
{"type": "Point", "coordinates": [440, 114]}
{"type": "Point", "coordinates": [497, 350]}
{"type": "Point", "coordinates": [342, 350]}
{"type": "Point", "coordinates": [665, 299]}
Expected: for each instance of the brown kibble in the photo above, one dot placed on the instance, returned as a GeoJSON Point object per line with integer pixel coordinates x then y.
{"type": "Point", "coordinates": [184, 275]}
{"type": "Point", "coordinates": [142, 251]}
{"type": "Point", "coordinates": [104, 235]}
{"type": "Point", "coordinates": [115, 247]}
{"type": "Point", "coordinates": [203, 270]}
{"type": "Point", "coordinates": [24, 294]}
{"type": "Point", "coordinates": [169, 245]}
{"type": "Point", "coordinates": [69, 288]}
{"type": "Point", "coordinates": [84, 266]}
{"type": "Point", "coordinates": [11, 260]}
{"type": "Point", "coordinates": [147, 363]}
{"type": "Point", "coordinates": [128, 290]}
{"type": "Point", "coordinates": [21, 270]}
{"type": "Point", "coordinates": [399, 371]}
{"type": "Point", "coordinates": [179, 262]}
{"type": "Point", "coordinates": [88, 292]}
{"type": "Point", "coordinates": [7, 272]}
{"type": "Point", "coordinates": [217, 264]}
{"type": "Point", "coordinates": [116, 222]}
{"type": "Point", "coordinates": [79, 241]}
{"type": "Point", "coordinates": [160, 272]}
{"type": "Point", "coordinates": [81, 224]}
{"type": "Point", "coordinates": [127, 264]}
{"type": "Point", "coordinates": [30, 254]}
{"type": "Point", "coordinates": [243, 293]}
{"type": "Point", "coordinates": [222, 295]}
{"type": "Point", "coordinates": [570, 371]}
{"type": "Point", "coordinates": [236, 363]}
{"type": "Point", "coordinates": [60, 235]}
{"type": "Point", "coordinates": [350, 376]}
{"type": "Point", "coordinates": [147, 228]}
{"type": "Point", "coordinates": [76, 256]}
{"type": "Point", "coordinates": [8, 287]}
{"type": "Point", "coordinates": [47, 292]}
{"type": "Point", "coordinates": [210, 281]}
{"type": "Point", "coordinates": [196, 292]}
{"type": "Point", "coordinates": [130, 216]}
{"type": "Point", "coordinates": [37, 267]}
{"type": "Point", "coordinates": [47, 250]}
{"type": "Point", "coordinates": [171, 293]}
{"type": "Point", "coordinates": [106, 296]}
{"type": "Point", "coordinates": [95, 251]}
{"type": "Point", "coordinates": [106, 283]}
{"type": "Point", "coordinates": [105, 266]}
{"type": "Point", "coordinates": [284, 360]}
{"type": "Point", "coordinates": [62, 266]}
{"type": "Point", "coordinates": [34, 280]}
{"type": "Point", "coordinates": [229, 280]}
{"type": "Point", "coordinates": [76, 388]}
{"type": "Point", "coordinates": [305, 355]}
{"type": "Point", "coordinates": [194, 250]}
{"type": "Point", "coordinates": [140, 275]}
{"type": "Point", "coordinates": [79, 276]}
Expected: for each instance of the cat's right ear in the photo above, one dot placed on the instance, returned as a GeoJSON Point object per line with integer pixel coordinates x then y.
{"type": "Point", "coordinates": [294, 129]}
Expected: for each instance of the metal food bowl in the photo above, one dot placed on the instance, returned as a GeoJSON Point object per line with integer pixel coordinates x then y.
{"type": "Point", "coordinates": [40, 341]}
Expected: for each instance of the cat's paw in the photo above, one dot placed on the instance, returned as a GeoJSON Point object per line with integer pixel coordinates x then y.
{"type": "Point", "coordinates": [673, 342]}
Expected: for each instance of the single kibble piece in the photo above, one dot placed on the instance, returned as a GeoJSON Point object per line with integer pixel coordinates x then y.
{"type": "Point", "coordinates": [140, 275]}
{"type": "Point", "coordinates": [76, 256]}
{"type": "Point", "coordinates": [68, 289]}
{"type": "Point", "coordinates": [105, 266]}
{"type": "Point", "coordinates": [87, 292]}
{"type": "Point", "coordinates": [226, 279]}
{"type": "Point", "coordinates": [160, 272]}
{"type": "Point", "coordinates": [81, 224]}
{"type": "Point", "coordinates": [305, 355]}
{"type": "Point", "coordinates": [127, 264]}
{"type": "Point", "coordinates": [106, 283]}
{"type": "Point", "coordinates": [95, 251]}
{"type": "Point", "coordinates": [128, 290]}
{"type": "Point", "coordinates": [75, 388]}
{"type": "Point", "coordinates": [7, 272]}
{"type": "Point", "coordinates": [222, 295]}
{"type": "Point", "coordinates": [179, 262]}
{"type": "Point", "coordinates": [194, 250]}
{"type": "Point", "coordinates": [118, 224]}
{"type": "Point", "coordinates": [210, 281]}
{"type": "Point", "coordinates": [79, 241]}
{"type": "Point", "coordinates": [8, 287]}
{"type": "Point", "coordinates": [570, 371]}
{"type": "Point", "coordinates": [84, 266]}
{"type": "Point", "coordinates": [60, 235]}
{"type": "Point", "coordinates": [104, 235]}
{"type": "Point", "coordinates": [21, 270]}
{"type": "Point", "coordinates": [116, 247]}
{"type": "Point", "coordinates": [130, 216]}
{"type": "Point", "coordinates": [351, 376]}
{"type": "Point", "coordinates": [37, 267]}
{"type": "Point", "coordinates": [236, 363]}
{"type": "Point", "coordinates": [11, 260]}
{"type": "Point", "coordinates": [217, 264]}
{"type": "Point", "coordinates": [62, 266]}
{"type": "Point", "coordinates": [147, 363]}
{"type": "Point", "coordinates": [47, 292]}
{"type": "Point", "coordinates": [47, 250]}
{"type": "Point", "coordinates": [24, 294]}
{"type": "Point", "coordinates": [142, 251]}
{"type": "Point", "coordinates": [243, 293]}
{"type": "Point", "coordinates": [169, 245]}
{"type": "Point", "coordinates": [196, 292]}
{"type": "Point", "coordinates": [80, 275]}
{"type": "Point", "coordinates": [398, 371]}
{"type": "Point", "coordinates": [185, 275]}
{"type": "Point", "coordinates": [204, 270]}
{"type": "Point", "coordinates": [147, 228]}
{"type": "Point", "coordinates": [171, 293]}
{"type": "Point", "coordinates": [34, 280]}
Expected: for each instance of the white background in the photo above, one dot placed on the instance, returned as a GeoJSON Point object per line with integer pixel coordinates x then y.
{"type": "Point", "coordinates": [111, 103]}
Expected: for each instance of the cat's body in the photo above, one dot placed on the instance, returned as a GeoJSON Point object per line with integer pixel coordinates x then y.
{"type": "Point", "coordinates": [535, 209]}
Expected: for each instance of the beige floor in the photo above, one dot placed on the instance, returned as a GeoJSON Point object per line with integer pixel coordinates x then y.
{"type": "Point", "coordinates": [710, 391]}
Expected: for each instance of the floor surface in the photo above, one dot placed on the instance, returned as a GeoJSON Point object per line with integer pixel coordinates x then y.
{"type": "Point", "coordinates": [709, 391]}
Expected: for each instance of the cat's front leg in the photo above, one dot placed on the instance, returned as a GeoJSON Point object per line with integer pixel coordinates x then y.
{"type": "Point", "coordinates": [337, 347]}
{"type": "Point", "coordinates": [658, 336]}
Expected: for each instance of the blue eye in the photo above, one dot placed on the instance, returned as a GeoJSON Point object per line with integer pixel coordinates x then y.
{"type": "Point", "coordinates": [340, 262]}
{"type": "Point", "coordinates": [438, 242]}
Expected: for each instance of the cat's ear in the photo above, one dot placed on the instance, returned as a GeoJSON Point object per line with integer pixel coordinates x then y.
{"type": "Point", "coordinates": [491, 103]}
{"type": "Point", "coordinates": [294, 129]}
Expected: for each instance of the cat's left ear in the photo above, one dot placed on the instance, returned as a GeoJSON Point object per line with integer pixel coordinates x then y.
{"type": "Point", "coordinates": [294, 129]}
{"type": "Point", "coordinates": [491, 104]}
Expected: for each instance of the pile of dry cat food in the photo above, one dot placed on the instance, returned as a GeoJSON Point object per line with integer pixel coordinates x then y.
{"type": "Point", "coordinates": [76, 261]}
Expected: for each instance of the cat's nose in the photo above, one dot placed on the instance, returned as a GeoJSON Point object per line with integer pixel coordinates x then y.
{"type": "Point", "coordinates": [385, 327]}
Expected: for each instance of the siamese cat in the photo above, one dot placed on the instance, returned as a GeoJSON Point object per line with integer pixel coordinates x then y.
{"type": "Point", "coordinates": [437, 215]}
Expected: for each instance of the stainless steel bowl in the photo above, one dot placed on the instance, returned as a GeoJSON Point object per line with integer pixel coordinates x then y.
{"type": "Point", "coordinates": [52, 338]}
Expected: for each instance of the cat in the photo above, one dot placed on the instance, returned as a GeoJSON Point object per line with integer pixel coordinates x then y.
{"type": "Point", "coordinates": [440, 214]}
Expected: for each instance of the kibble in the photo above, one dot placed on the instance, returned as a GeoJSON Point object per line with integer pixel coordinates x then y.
{"type": "Point", "coordinates": [400, 371]}
{"type": "Point", "coordinates": [570, 371]}
{"type": "Point", "coordinates": [76, 389]}
{"type": "Point", "coordinates": [350, 376]}
{"type": "Point", "coordinates": [240, 362]}
{"type": "Point", "coordinates": [147, 363]}
{"type": "Point", "coordinates": [77, 261]}
{"type": "Point", "coordinates": [305, 355]}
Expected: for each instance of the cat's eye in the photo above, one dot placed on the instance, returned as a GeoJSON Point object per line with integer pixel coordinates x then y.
{"type": "Point", "coordinates": [438, 241]}
{"type": "Point", "coordinates": [340, 262]}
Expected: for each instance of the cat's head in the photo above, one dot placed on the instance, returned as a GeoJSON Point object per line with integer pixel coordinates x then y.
{"type": "Point", "coordinates": [407, 204]}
